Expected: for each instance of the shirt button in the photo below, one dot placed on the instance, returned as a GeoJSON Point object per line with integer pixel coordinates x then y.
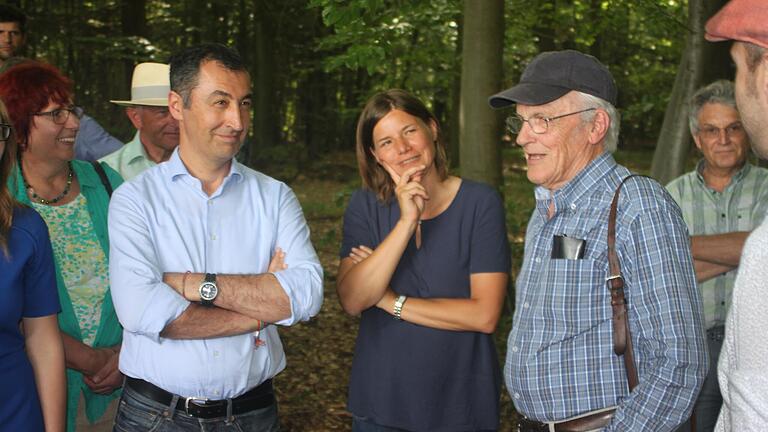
{"type": "Point", "coordinates": [573, 206]}
{"type": "Point", "coordinates": [215, 353]}
{"type": "Point", "coordinates": [538, 260]}
{"type": "Point", "coordinates": [526, 305]}
{"type": "Point", "coordinates": [210, 202]}
{"type": "Point", "coordinates": [213, 236]}
{"type": "Point", "coordinates": [517, 395]}
{"type": "Point", "coordinates": [216, 392]}
{"type": "Point", "coordinates": [514, 349]}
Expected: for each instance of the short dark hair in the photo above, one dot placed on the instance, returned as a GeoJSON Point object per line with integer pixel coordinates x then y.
{"type": "Point", "coordinates": [185, 66]}
{"type": "Point", "coordinates": [10, 13]}
{"type": "Point", "coordinates": [374, 176]}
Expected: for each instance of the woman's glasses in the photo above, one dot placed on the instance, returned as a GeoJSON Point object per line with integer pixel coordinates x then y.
{"type": "Point", "coordinates": [61, 115]}
{"type": "Point", "coordinates": [5, 131]}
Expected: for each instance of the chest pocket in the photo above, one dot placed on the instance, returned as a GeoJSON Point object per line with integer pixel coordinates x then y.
{"type": "Point", "coordinates": [743, 219]}
{"type": "Point", "coordinates": [577, 290]}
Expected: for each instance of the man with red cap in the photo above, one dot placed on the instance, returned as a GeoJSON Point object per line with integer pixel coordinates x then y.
{"type": "Point", "coordinates": [744, 358]}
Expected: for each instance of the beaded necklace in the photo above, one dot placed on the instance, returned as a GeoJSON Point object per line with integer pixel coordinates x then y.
{"type": "Point", "coordinates": [37, 198]}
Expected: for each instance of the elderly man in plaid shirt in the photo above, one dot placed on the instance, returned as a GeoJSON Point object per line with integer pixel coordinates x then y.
{"type": "Point", "coordinates": [561, 370]}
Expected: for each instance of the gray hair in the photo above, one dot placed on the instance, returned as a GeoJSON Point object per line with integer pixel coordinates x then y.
{"type": "Point", "coordinates": [719, 92]}
{"type": "Point", "coordinates": [589, 101]}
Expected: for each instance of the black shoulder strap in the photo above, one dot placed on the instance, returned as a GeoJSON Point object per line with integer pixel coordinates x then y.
{"type": "Point", "coordinates": [103, 176]}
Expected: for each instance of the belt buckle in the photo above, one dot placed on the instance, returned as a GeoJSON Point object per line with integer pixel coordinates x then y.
{"type": "Point", "coordinates": [193, 400]}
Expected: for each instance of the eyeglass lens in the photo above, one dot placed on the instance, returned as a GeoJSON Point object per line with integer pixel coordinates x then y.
{"type": "Point", "coordinates": [5, 131]}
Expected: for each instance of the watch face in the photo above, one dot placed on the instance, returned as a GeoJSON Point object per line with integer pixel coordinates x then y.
{"type": "Point", "coordinates": [208, 291]}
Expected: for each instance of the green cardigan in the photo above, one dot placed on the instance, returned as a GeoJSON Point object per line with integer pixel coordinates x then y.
{"type": "Point", "coordinates": [109, 332]}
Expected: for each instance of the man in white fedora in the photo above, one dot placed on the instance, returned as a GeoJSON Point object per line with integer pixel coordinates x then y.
{"type": "Point", "coordinates": [157, 132]}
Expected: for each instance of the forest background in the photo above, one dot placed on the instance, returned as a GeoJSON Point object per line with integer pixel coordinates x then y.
{"type": "Point", "coordinates": [313, 64]}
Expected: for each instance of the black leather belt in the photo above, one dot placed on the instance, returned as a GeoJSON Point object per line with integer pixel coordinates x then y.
{"type": "Point", "coordinates": [581, 424]}
{"type": "Point", "coordinates": [259, 397]}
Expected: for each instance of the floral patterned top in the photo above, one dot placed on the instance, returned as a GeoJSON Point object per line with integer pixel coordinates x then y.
{"type": "Point", "coordinates": [81, 261]}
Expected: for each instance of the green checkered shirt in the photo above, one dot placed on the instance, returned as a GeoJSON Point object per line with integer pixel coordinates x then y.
{"type": "Point", "coordinates": [740, 207]}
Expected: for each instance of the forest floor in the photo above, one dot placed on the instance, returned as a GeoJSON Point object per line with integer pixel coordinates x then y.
{"type": "Point", "coordinates": [312, 390]}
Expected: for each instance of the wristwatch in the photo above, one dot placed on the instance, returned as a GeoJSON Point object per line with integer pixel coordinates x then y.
{"type": "Point", "coordinates": [208, 290]}
{"type": "Point", "coordinates": [399, 306]}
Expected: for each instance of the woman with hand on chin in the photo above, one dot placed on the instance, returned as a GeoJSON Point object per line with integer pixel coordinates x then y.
{"type": "Point", "coordinates": [425, 262]}
{"type": "Point", "coordinates": [32, 381]}
{"type": "Point", "coordinates": [72, 198]}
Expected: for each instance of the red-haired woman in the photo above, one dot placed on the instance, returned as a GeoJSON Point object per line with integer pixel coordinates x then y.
{"type": "Point", "coordinates": [31, 360]}
{"type": "Point", "coordinates": [72, 197]}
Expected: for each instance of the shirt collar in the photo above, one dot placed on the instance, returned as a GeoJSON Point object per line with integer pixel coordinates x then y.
{"type": "Point", "coordinates": [735, 179]}
{"type": "Point", "coordinates": [175, 168]}
{"type": "Point", "coordinates": [135, 150]}
{"type": "Point", "coordinates": [583, 183]}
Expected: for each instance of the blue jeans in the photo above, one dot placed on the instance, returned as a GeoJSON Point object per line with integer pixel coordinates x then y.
{"type": "Point", "coordinates": [137, 413]}
{"type": "Point", "coordinates": [710, 400]}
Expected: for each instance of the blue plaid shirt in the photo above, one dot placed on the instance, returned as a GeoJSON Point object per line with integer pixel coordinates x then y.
{"type": "Point", "coordinates": [560, 360]}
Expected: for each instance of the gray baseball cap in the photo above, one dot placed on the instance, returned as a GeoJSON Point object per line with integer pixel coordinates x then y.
{"type": "Point", "coordinates": [550, 75]}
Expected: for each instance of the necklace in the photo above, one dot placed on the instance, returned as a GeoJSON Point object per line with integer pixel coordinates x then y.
{"type": "Point", "coordinates": [37, 198]}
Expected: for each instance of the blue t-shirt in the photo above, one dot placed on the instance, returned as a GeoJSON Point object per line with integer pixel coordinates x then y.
{"type": "Point", "coordinates": [27, 289]}
{"type": "Point", "coordinates": [419, 378]}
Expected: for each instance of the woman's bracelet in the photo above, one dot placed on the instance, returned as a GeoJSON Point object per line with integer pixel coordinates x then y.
{"type": "Point", "coordinates": [399, 306]}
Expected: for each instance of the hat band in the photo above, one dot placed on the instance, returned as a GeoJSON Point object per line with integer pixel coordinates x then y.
{"type": "Point", "coordinates": [149, 92]}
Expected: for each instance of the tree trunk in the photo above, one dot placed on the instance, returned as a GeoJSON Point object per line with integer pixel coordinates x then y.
{"type": "Point", "coordinates": [481, 70]}
{"type": "Point", "coordinates": [719, 65]}
{"type": "Point", "coordinates": [454, 137]}
{"type": "Point", "coordinates": [133, 22]}
{"type": "Point", "coordinates": [264, 108]}
{"type": "Point", "coordinates": [674, 140]}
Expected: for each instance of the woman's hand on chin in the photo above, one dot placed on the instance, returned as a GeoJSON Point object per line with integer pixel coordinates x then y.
{"type": "Point", "coordinates": [410, 193]}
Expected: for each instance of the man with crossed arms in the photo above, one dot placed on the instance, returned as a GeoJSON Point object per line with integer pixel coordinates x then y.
{"type": "Point", "coordinates": [191, 240]}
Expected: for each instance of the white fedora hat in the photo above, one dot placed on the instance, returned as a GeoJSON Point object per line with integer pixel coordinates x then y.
{"type": "Point", "coordinates": [150, 85]}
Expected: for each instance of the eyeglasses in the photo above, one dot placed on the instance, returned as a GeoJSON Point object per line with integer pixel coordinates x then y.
{"type": "Point", "coordinates": [538, 124]}
{"type": "Point", "coordinates": [711, 133]}
{"type": "Point", "coordinates": [5, 131]}
{"type": "Point", "coordinates": [61, 115]}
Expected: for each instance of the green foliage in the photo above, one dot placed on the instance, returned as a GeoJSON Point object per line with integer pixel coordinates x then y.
{"type": "Point", "coordinates": [404, 44]}
{"type": "Point", "coordinates": [639, 41]}
{"type": "Point", "coordinates": [328, 56]}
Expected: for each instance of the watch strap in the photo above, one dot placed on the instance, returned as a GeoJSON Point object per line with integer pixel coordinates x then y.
{"type": "Point", "coordinates": [210, 278]}
{"type": "Point", "coordinates": [398, 309]}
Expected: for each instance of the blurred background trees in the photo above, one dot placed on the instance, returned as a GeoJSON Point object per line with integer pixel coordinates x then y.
{"type": "Point", "coordinates": [315, 62]}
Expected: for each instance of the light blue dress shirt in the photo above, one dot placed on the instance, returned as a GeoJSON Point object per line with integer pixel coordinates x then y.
{"type": "Point", "coordinates": [130, 160]}
{"type": "Point", "coordinates": [163, 221]}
